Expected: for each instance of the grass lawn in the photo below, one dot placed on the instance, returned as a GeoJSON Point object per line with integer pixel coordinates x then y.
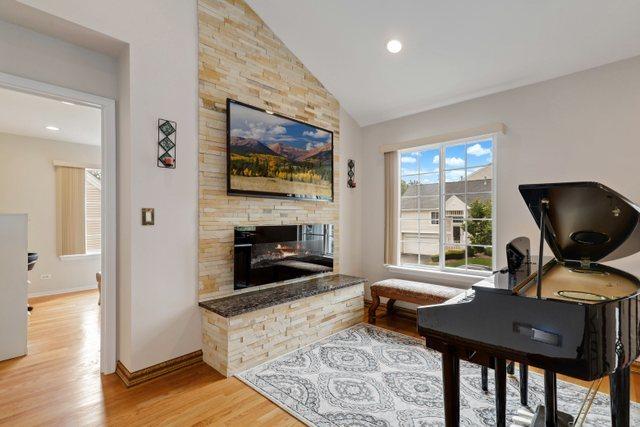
{"type": "Point", "coordinates": [484, 261]}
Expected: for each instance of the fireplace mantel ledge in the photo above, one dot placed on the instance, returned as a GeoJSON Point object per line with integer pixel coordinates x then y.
{"type": "Point", "coordinates": [246, 302]}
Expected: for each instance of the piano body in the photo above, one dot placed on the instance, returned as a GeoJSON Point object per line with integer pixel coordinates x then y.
{"type": "Point", "coordinates": [572, 316]}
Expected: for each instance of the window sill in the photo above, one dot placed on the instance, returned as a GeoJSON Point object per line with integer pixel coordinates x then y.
{"type": "Point", "coordinates": [75, 257]}
{"type": "Point", "coordinates": [460, 280]}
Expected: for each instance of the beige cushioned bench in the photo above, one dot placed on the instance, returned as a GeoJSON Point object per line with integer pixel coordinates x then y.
{"type": "Point", "coordinates": [408, 291]}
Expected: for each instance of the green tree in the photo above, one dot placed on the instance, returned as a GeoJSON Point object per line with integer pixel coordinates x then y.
{"type": "Point", "coordinates": [479, 231]}
{"type": "Point", "coordinates": [403, 187]}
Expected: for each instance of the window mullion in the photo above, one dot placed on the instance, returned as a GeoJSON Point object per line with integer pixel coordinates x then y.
{"type": "Point", "coordinates": [466, 201]}
{"type": "Point", "coordinates": [441, 210]}
{"type": "Point", "coordinates": [419, 214]}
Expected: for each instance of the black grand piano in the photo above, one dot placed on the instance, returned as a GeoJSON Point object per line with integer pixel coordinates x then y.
{"type": "Point", "coordinates": [570, 315]}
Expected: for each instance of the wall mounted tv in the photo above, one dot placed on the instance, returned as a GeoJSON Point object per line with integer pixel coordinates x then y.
{"type": "Point", "coordinates": [270, 155]}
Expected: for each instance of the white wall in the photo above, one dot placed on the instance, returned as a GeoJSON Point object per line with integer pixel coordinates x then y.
{"type": "Point", "coordinates": [30, 54]}
{"type": "Point", "coordinates": [158, 318]}
{"type": "Point", "coordinates": [350, 198]}
{"type": "Point", "coordinates": [27, 185]}
{"type": "Point", "coordinates": [584, 126]}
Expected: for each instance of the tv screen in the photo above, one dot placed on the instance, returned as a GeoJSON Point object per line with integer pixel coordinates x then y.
{"type": "Point", "coordinates": [275, 156]}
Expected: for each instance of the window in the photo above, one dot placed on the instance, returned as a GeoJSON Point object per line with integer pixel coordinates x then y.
{"type": "Point", "coordinates": [435, 215]}
{"type": "Point", "coordinates": [447, 201]}
{"type": "Point", "coordinates": [78, 210]}
{"type": "Point", "coordinates": [92, 212]}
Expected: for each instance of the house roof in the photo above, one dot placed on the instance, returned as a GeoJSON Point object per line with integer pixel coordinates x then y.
{"type": "Point", "coordinates": [426, 194]}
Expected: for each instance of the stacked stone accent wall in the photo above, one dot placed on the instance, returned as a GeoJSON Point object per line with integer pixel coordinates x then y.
{"type": "Point", "coordinates": [234, 344]}
{"type": "Point", "coordinates": [242, 59]}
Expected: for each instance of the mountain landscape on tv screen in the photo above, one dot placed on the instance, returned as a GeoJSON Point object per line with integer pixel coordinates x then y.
{"type": "Point", "coordinates": [272, 154]}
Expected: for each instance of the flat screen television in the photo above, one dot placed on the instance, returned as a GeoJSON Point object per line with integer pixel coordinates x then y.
{"type": "Point", "coordinates": [270, 155]}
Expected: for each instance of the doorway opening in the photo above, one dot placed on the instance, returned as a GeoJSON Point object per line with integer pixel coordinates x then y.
{"type": "Point", "coordinates": [58, 147]}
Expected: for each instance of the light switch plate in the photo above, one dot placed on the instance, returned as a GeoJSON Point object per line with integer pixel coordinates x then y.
{"type": "Point", "coordinates": [148, 216]}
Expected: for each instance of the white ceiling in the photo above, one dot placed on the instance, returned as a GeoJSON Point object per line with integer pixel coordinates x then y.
{"type": "Point", "coordinates": [452, 50]}
{"type": "Point", "coordinates": [28, 115]}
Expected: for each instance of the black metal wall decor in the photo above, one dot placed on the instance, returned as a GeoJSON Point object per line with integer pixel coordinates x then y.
{"type": "Point", "coordinates": [167, 144]}
{"type": "Point", "coordinates": [351, 183]}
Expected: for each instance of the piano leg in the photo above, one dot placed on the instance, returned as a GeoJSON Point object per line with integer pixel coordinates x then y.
{"type": "Point", "coordinates": [451, 378]}
{"type": "Point", "coordinates": [524, 384]}
{"type": "Point", "coordinates": [484, 375]}
{"type": "Point", "coordinates": [550, 400]}
{"type": "Point", "coordinates": [619, 383]}
{"type": "Point", "coordinates": [501, 392]}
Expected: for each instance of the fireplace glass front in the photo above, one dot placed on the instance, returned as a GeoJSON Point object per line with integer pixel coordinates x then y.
{"type": "Point", "coordinates": [267, 254]}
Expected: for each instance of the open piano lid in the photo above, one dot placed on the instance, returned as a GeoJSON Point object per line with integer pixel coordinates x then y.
{"type": "Point", "coordinates": [586, 221]}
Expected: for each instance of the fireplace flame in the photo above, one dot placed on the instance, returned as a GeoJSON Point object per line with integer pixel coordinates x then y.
{"type": "Point", "coordinates": [278, 251]}
{"type": "Point", "coordinates": [285, 251]}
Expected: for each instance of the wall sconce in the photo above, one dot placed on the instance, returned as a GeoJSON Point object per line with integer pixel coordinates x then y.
{"type": "Point", "coordinates": [167, 131]}
{"type": "Point", "coordinates": [351, 183]}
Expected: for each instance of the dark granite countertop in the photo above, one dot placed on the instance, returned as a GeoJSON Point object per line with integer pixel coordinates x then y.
{"type": "Point", "coordinates": [234, 305]}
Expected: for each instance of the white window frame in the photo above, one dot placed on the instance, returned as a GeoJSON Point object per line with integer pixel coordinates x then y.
{"type": "Point", "coordinates": [442, 268]}
{"type": "Point", "coordinates": [86, 178]}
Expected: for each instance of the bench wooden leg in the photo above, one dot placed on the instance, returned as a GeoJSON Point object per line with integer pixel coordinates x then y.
{"type": "Point", "coordinates": [390, 305]}
{"type": "Point", "coordinates": [373, 308]}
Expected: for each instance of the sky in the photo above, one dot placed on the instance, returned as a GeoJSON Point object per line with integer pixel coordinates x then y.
{"type": "Point", "coordinates": [266, 128]}
{"type": "Point", "coordinates": [459, 160]}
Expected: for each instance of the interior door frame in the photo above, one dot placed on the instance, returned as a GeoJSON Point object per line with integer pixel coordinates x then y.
{"type": "Point", "coordinates": [107, 106]}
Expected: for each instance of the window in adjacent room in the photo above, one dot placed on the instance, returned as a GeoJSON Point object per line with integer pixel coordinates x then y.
{"type": "Point", "coordinates": [78, 210]}
{"type": "Point", "coordinates": [93, 209]}
{"type": "Point", "coordinates": [447, 201]}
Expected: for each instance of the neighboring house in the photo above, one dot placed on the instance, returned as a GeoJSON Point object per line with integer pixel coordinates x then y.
{"type": "Point", "coordinates": [420, 216]}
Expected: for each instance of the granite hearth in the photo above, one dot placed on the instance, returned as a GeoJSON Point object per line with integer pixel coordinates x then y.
{"type": "Point", "coordinates": [241, 331]}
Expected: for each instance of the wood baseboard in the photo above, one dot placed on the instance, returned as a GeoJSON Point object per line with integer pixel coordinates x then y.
{"type": "Point", "coordinates": [146, 374]}
{"type": "Point", "coordinates": [52, 292]}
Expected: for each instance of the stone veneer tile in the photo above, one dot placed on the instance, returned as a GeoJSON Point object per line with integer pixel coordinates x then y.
{"type": "Point", "coordinates": [234, 344]}
{"type": "Point", "coordinates": [241, 58]}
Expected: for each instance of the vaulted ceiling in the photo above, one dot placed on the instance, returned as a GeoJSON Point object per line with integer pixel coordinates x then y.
{"type": "Point", "coordinates": [452, 50]}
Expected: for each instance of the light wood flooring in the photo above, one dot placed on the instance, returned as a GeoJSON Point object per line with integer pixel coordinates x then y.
{"type": "Point", "coordinates": [58, 383]}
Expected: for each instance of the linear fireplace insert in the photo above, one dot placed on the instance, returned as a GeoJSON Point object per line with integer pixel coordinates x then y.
{"type": "Point", "coordinates": [273, 253]}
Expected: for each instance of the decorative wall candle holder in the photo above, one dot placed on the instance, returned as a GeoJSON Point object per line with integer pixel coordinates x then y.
{"type": "Point", "coordinates": [351, 182]}
{"type": "Point", "coordinates": [167, 131]}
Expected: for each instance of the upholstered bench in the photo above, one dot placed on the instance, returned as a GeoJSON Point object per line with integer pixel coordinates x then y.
{"type": "Point", "coordinates": [408, 291]}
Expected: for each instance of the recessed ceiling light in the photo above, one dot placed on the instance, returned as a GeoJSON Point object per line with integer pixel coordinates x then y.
{"type": "Point", "coordinates": [394, 46]}
{"type": "Point", "coordinates": [268, 111]}
{"type": "Point", "coordinates": [67, 103]}
{"type": "Point", "coordinates": [53, 128]}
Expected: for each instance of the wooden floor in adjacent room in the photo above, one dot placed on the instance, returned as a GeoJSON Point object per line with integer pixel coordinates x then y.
{"type": "Point", "coordinates": [58, 382]}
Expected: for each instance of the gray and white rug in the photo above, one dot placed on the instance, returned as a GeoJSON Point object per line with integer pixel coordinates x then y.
{"type": "Point", "coordinates": [368, 376]}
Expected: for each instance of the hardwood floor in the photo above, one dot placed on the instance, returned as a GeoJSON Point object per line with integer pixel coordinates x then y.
{"type": "Point", "coordinates": [59, 383]}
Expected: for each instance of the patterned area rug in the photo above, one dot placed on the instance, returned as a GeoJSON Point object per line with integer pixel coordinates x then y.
{"type": "Point", "coordinates": [368, 376]}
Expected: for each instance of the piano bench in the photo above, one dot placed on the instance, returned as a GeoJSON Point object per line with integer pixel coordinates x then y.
{"type": "Point", "coordinates": [408, 291]}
